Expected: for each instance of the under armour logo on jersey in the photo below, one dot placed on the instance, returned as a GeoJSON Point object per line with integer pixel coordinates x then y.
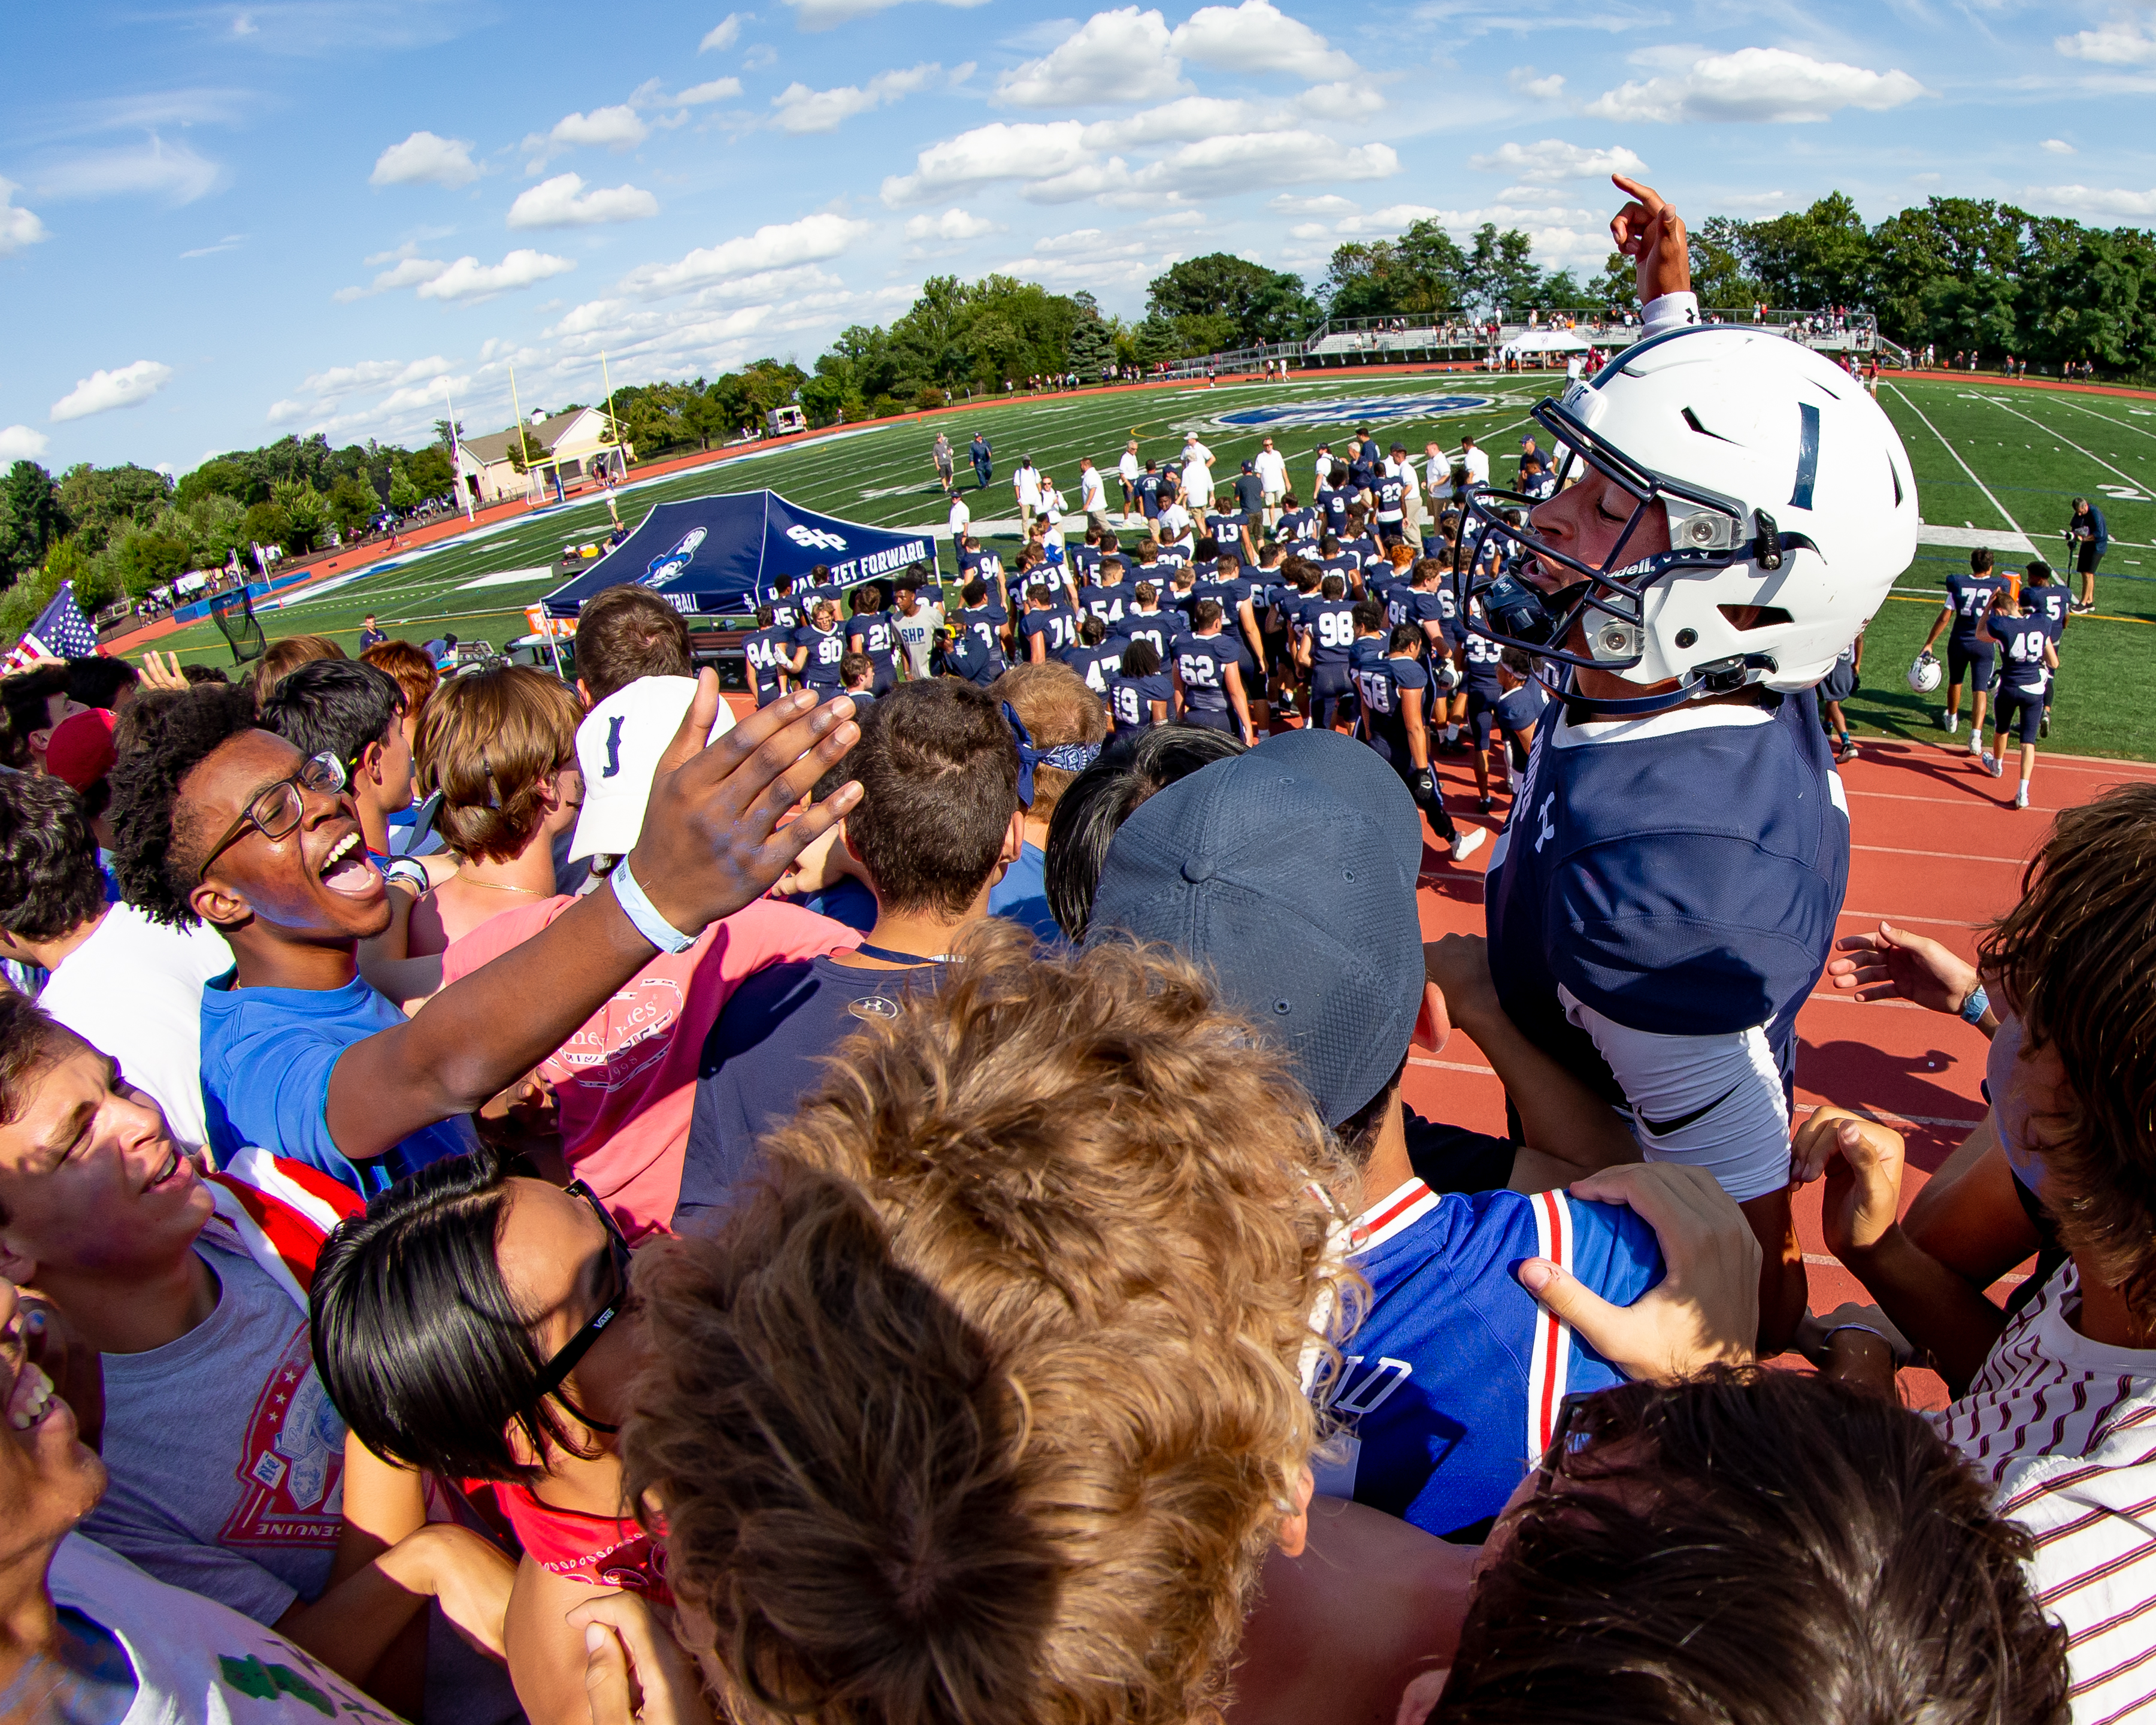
{"type": "Point", "coordinates": [1549, 828]}
{"type": "Point", "coordinates": [613, 748]}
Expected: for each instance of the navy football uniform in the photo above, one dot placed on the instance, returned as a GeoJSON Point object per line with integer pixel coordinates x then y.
{"type": "Point", "coordinates": [1201, 666]}
{"type": "Point", "coordinates": [1660, 904]}
{"type": "Point", "coordinates": [1058, 624]}
{"type": "Point", "coordinates": [1333, 509]}
{"type": "Point", "coordinates": [2024, 679]}
{"type": "Point", "coordinates": [1331, 623]}
{"type": "Point", "coordinates": [1131, 699]}
{"type": "Point", "coordinates": [1148, 489]}
{"type": "Point", "coordinates": [1297, 524]}
{"type": "Point", "coordinates": [1484, 691]}
{"type": "Point", "coordinates": [762, 649]}
{"type": "Point", "coordinates": [874, 636]}
{"type": "Point", "coordinates": [826, 647]}
{"type": "Point", "coordinates": [2048, 602]}
{"type": "Point", "coordinates": [787, 613]}
{"type": "Point", "coordinates": [986, 620]}
{"type": "Point", "coordinates": [1108, 604]}
{"type": "Point", "coordinates": [1383, 681]}
{"type": "Point", "coordinates": [1085, 561]}
{"type": "Point", "coordinates": [1157, 627]}
{"type": "Point", "coordinates": [1390, 488]}
{"type": "Point", "coordinates": [1969, 645]}
{"type": "Point", "coordinates": [1451, 1387]}
{"type": "Point", "coordinates": [1096, 664]}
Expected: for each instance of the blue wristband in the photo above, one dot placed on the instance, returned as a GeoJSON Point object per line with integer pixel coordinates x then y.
{"type": "Point", "coordinates": [1973, 1008]}
{"type": "Point", "coordinates": [640, 912]}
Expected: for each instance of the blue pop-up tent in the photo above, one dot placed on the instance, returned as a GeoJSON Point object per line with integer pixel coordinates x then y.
{"type": "Point", "coordinates": [723, 554]}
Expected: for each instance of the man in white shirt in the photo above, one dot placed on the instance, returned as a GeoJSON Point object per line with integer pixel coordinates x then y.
{"type": "Point", "coordinates": [1476, 462]}
{"type": "Point", "coordinates": [1092, 493]}
{"type": "Point", "coordinates": [917, 614]}
{"type": "Point", "coordinates": [1197, 472]}
{"type": "Point", "coordinates": [1026, 484]}
{"type": "Point", "coordinates": [129, 986]}
{"type": "Point", "coordinates": [1127, 470]}
{"type": "Point", "coordinates": [1272, 478]}
{"type": "Point", "coordinates": [1322, 472]}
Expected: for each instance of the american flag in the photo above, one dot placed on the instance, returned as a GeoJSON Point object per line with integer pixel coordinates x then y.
{"type": "Point", "coordinates": [60, 632]}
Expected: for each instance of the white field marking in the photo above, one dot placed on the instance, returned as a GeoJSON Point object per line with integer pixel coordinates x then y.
{"type": "Point", "coordinates": [2088, 454]}
{"type": "Point", "coordinates": [2120, 425]}
{"type": "Point", "coordinates": [1949, 855]}
{"type": "Point", "coordinates": [1452, 1066]}
{"type": "Point", "coordinates": [1969, 538]}
{"type": "Point", "coordinates": [1887, 1117]}
{"type": "Point", "coordinates": [508, 576]}
{"type": "Point", "coordinates": [1957, 802]}
{"type": "Point", "coordinates": [1956, 453]}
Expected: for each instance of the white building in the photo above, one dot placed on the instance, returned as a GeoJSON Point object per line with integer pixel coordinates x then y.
{"type": "Point", "coordinates": [569, 444]}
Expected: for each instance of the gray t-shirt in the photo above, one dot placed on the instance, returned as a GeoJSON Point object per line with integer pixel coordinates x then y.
{"type": "Point", "coordinates": [226, 1456]}
{"type": "Point", "coordinates": [916, 635]}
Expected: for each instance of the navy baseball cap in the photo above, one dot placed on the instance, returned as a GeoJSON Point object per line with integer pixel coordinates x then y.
{"type": "Point", "coordinates": [1289, 872]}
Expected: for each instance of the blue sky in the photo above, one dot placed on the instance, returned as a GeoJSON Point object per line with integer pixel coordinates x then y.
{"type": "Point", "coordinates": [222, 222]}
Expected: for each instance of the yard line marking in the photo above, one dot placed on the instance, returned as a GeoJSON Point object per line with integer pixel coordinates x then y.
{"type": "Point", "coordinates": [1956, 453]}
{"type": "Point", "coordinates": [2090, 454]}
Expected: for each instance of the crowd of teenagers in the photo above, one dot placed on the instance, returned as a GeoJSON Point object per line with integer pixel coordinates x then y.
{"type": "Point", "coordinates": [573, 1203]}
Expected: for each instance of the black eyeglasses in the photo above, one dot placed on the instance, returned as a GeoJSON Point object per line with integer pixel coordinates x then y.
{"type": "Point", "coordinates": [276, 812]}
{"type": "Point", "coordinates": [556, 1371]}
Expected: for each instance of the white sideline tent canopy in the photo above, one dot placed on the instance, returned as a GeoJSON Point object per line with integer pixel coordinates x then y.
{"type": "Point", "coordinates": [1539, 341]}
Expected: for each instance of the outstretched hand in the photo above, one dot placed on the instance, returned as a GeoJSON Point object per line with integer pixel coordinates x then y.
{"type": "Point", "coordinates": [712, 841]}
{"type": "Point", "coordinates": [1704, 1311]}
{"type": "Point", "coordinates": [1652, 234]}
{"type": "Point", "coordinates": [167, 676]}
{"type": "Point", "coordinates": [1895, 963]}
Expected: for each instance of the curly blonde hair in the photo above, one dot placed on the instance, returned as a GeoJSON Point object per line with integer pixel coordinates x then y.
{"type": "Point", "coordinates": [989, 1400]}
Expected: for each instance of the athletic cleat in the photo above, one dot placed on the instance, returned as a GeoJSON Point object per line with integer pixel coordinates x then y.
{"type": "Point", "coordinates": [1466, 842]}
{"type": "Point", "coordinates": [1483, 805]}
{"type": "Point", "coordinates": [1948, 721]}
{"type": "Point", "coordinates": [1975, 740]}
{"type": "Point", "coordinates": [1848, 752]}
{"type": "Point", "coordinates": [1995, 765]}
{"type": "Point", "coordinates": [2021, 799]}
{"type": "Point", "coordinates": [2044, 724]}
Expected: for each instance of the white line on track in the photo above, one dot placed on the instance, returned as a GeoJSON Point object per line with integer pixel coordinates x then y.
{"type": "Point", "coordinates": [1956, 453]}
{"type": "Point", "coordinates": [1948, 855]}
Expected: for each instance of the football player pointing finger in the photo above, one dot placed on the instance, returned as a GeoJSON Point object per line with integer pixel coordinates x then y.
{"type": "Point", "coordinates": [1664, 897]}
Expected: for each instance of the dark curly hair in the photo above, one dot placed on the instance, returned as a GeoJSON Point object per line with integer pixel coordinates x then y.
{"type": "Point", "coordinates": [49, 882]}
{"type": "Point", "coordinates": [173, 734]}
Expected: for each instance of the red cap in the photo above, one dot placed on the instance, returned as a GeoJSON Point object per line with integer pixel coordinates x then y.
{"type": "Point", "coordinates": [81, 750]}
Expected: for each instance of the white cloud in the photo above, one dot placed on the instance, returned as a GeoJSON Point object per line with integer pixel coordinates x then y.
{"type": "Point", "coordinates": [562, 203]}
{"type": "Point", "coordinates": [803, 109]}
{"type": "Point", "coordinates": [2095, 200]}
{"type": "Point", "coordinates": [722, 34]}
{"type": "Point", "coordinates": [1757, 84]}
{"type": "Point", "coordinates": [18, 227]}
{"type": "Point", "coordinates": [1186, 118]}
{"type": "Point", "coordinates": [954, 223]}
{"type": "Point", "coordinates": [468, 279]}
{"type": "Point", "coordinates": [174, 172]}
{"type": "Point", "coordinates": [322, 391]}
{"type": "Point", "coordinates": [101, 392]}
{"type": "Point", "coordinates": [1774, 200]}
{"type": "Point", "coordinates": [1545, 90]}
{"type": "Point", "coordinates": [1328, 203]}
{"type": "Point", "coordinates": [1112, 60]}
{"type": "Point", "coordinates": [2058, 146]}
{"type": "Point", "coordinates": [19, 442]}
{"type": "Point", "coordinates": [1258, 37]}
{"type": "Point", "coordinates": [424, 159]}
{"type": "Point", "coordinates": [619, 127]}
{"type": "Point", "coordinates": [774, 246]}
{"type": "Point", "coordinates": [408, 272]}
{"type": "Point", "coordinates": [1028, 151]}
{"type": "Point", "coordinates": [1096, 179]}
{"type": "Point", "coordinates": [1552, 161]}
{"type": "Point", "coordinates": [828, 15]}
{"type": "Point", "coordinates": [719, 89]}
{"type": "Point", "coordinates": [2122, 42]}
{"type": "Point", "coordinates": [1248, 160]}
{"type": "Point", "coordinates": [1347, 100]}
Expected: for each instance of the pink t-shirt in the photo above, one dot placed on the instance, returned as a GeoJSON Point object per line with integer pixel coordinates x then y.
{"type": "Point", "coordinates": [625, 1081]}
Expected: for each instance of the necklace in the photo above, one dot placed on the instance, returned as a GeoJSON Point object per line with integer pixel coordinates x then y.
{"type": "Point", "coordinates": [496, 885]}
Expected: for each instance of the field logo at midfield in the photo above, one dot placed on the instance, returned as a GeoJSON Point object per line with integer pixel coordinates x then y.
{"type": "Point", "coordinates": [660, 570]}
{"type": "Point", "coordinates": [1357, 412]}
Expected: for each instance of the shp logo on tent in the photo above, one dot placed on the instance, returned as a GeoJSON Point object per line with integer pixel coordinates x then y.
{"type": "Point", "coordinates": [1368, 411]}
{"type": "Point", "coordinates": [661, 571]}
{"type": "Point", "coordinates": [814, 538]}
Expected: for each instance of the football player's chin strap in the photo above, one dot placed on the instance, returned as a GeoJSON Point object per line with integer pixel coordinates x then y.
{"type": "Point", "coordinates": [1702, 683]}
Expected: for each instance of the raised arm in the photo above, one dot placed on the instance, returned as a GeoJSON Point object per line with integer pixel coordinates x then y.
{"type": "Point", "coordinates": [710, 844]}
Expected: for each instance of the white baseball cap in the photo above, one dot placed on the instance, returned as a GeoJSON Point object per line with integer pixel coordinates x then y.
{"type": "Point", "coordinates": [618, 748]}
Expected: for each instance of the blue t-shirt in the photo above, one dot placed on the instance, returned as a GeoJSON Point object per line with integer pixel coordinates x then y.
{"type": "Point", "coordinates": [2022, 641]}
{"type": "Point", "coordinates": [1021, 897]}
{"type": "Point", "coordinates": [1201, 662]}
{"type": "Point", "coordinates": [1682, 880]}
{"type": "Point", "coordinates": [266, 1059]}
{"type": "Point", "coordinates": [764, 1054]}
{"type": "Point", "coordinates": [1131, 699]}
{"type": "Point", "coordinates": [1970, 594]}
{"type": "Point", "coordinates": [1147, 486]}
{"type": "Point", "coordinates": [825, 650]}
{"type": "Point", "coordinates": [1451, 1385]}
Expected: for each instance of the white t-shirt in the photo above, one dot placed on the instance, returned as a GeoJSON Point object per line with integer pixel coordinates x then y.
{"type": "Point", "coordinates": [1051, 508]}
{"type": "Point", "coordinates": [1197, 481]}
{"type": "Point", "coordinates": [1027, 484]}
{"type": "Point", "coordinates": [1092, 492]}
{"type": "Point", "coordinates": [1324, 470]}
{"type": "Point", "coordinates": [1129, 467]}
{"type": "Point", "coordinates": [133, 990]}
{"type": "Point", "coordinates": [1174, 521]}
{"type": "Point", "coordinates": [961, 517]}
{"type": "Point", "coordinates": [917, 634]}
{"type": "Point", "coordinates": [2059, 1426]}
{"type": "Point", "coordinates": [1272, 470]}
{"type": "Point", "coordinates": [198, 1663]}
{"type": "Point", "coordinates": [1476, 461]}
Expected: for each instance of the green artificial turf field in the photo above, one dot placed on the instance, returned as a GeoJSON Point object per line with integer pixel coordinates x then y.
{"type": "Point", "coordinates": [1989, 458]}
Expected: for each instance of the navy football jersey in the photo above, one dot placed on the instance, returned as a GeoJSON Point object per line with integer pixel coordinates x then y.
{"type": "Point", "coordinates": [1131, 699]}
{"type": "Point", "coordinates": [1970, 594]}
{"type": "Point", "coordinates": [1451, 1387]}
{"type": "Point", "coordinates": [2021, 641]}
{"type": "Point", "coordinates": [786, 613]}
{"type": "Point", "coordinates": [1085, 560]}
{"type": "Point", "coordinates": [762, 649]}
{"type": "Point", "coordinates": [1297, 524]}
{"type": "Point", "coordinates": [984, 621]}
{"type": "Point", "coordinates": [1108, 604]}
{"type": "Point", "coordinates": [1157, 627]}
{"type": "Point", "coordinates": [1201, 662]}
{"type": "Point", "coordinates": [1680, 875]}
{"type": "Point", "coordinates": [1522, 706]}
{"type": "Point", "coordinates": [825, 650]}
{"type": "Point", "coordinates": [1058, 625]}
{"type": "Point", "coordinates": [1332, 507]}
{"type": "Point", "coordinates": [2048, 602]}
{"type": "Point", "coordinates": [1481, 655]}
{"type": "Point", "coordinates": [1332, 625]}
{"type": "Point", "coordinates": [1387, 730]}
{"type": "Point", "coordinates": [1390, 489]}
{"type": "Point", "coordinates": [1094, 665]}
{"type": "Point", "coordinates": [1366, 664]}
{"type": "Point", "coordinates": [874, 634]}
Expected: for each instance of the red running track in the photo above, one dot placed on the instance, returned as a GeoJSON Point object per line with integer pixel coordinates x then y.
{"type": "Point", "coordinates": [1936, 846]}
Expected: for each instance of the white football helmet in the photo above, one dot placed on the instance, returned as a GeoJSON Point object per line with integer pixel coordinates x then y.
{"type": "Point", "coordinates": [1924, 675]}
{"type": "Point", "coordinates": [1785, 487]}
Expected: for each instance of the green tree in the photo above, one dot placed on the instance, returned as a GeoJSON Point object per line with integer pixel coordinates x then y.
{"type": "Point", "coordinates": [1716, 250]}
{"type": "Point", "coordinates": [264, 525]}
{"type": "Point", "coordinates": [101, 500]}
{"type": "Point", "coordinates": [1813, 258]}
{"type": "Point", "coordinates": [403, 494]}
{"type": "Point", "coordinates": [1500, 273]}
{"type": "Point", "coordinates": [1259, 305]}
{"type": "Point", "coordinates": [32, 520]}
{"type": "Point", "coordinates": [139, 559]}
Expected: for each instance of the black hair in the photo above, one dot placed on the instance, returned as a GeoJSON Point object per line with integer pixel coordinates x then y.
{"type": "Point", "coordinates": [154, 846]}
{"type": "Point", "coordinates": [1106, 794]}
{"type": "Point", "coordinates": [1369, 613]}
{"type": "Point", "coordinates": [975, 592]}
{"type": "Point", "coordinates": [98, 681]}
{"type": "Point", "coordinates": [1334, 586]}
{"type": "Point", "coordinates": [415, 1337]}
{"type": "Point", "coordinates": [1979, 562]}
{"type": "Point", "coordinates": [1141, 658]}
{"type": "Point", "coordinates": [26, 698]}
{"type": "Point", "coordinates": [199, 674]}
{"type": "Point", "coordinates": [1406, 638]}
{"type": "Point", "coordinates": [1093, 630]}
{"type": "Point", "coordinates": [334, 707]}
{"type": "Point", "coordinates": [49, 882]}
{"type": "Point", "coordinates": [2038, 571]}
